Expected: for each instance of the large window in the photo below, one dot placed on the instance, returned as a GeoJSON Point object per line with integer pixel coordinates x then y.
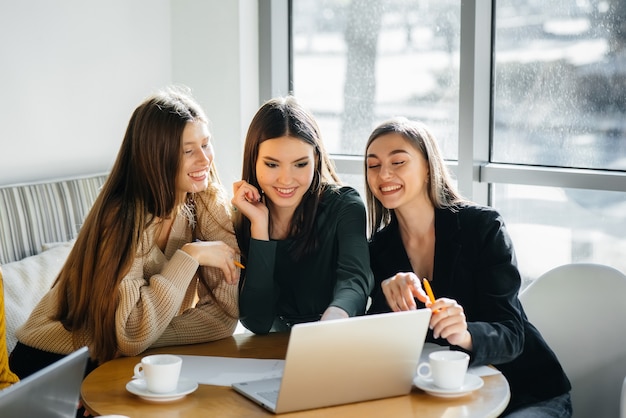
{"type": "Point", "coordinates": [560, 101]}
{"type": "Point", "coordinates": [356, 63]}
{"type": "Point", "coordinates": [532, 93]}
{"type": "Point", "coordinates": [560, 78]}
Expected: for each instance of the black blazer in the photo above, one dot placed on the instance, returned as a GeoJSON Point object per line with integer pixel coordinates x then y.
{"type": "Point", "coordinates": [475, 265]}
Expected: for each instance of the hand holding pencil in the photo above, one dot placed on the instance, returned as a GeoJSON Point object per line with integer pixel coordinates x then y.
{"type": "Point", "coordinates": [453, 325]}
{"type": "Point", "coordinates": [401, 291]}
{"type": "Point", "coordinates": [216, 254]}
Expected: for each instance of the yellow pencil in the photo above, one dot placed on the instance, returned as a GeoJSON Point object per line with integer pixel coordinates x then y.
{"type": "Point", "coordinates": [429, 292]}
{"type": "Point", "coordinates": [238, 264]}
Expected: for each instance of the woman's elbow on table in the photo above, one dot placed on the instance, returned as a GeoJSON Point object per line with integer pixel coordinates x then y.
{"type": "Point", "coordinates": [260, 327]}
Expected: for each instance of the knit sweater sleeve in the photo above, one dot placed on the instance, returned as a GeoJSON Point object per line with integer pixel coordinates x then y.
{"type": "Point", "coordinates": [146, 307]}
{"type": "Point", "coordinates": [216, 312]}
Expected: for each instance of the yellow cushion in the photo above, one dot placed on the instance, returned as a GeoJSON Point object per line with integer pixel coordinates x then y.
{"type": "Point", "coordinates": [7, 377]}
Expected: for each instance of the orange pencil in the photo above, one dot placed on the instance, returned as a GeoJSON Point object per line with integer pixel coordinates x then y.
{"type": "Point", "coordinates": [429, 292]}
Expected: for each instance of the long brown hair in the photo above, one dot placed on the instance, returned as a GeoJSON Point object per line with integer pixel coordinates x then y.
{"type": "Point", "coordinates": [278, 117]}
{"type": "Point", "coordinates": [442, 191]}
{"type": "Point", "coordinates": [140, 188]}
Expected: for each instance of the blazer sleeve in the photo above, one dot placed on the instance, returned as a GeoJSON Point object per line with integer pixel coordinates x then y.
{"type": "Point", "coordinates": [258, 294]}
{"type": "Point", "coordinates": [495, 319]}
{"type": "Point", "coordinates": [354, 275]}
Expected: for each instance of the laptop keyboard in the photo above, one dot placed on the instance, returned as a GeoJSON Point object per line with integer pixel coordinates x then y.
{"type": "Point", "coordinates": [270, 395]}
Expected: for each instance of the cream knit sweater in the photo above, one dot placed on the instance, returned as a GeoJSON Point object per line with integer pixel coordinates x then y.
{"type": "Point", "coordinates": [157, 298]}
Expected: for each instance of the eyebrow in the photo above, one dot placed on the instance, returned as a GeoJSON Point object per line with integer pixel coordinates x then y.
{"type": "Point", "coordinates": [394, 152]}
{"type": "Point", "coordinates": [265, 157]}
{"type": "Point", "coordinates": [192, 142]}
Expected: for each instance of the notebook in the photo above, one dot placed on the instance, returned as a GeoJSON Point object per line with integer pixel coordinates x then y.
{"type": "Point", "coordinates": [51, 392]}
{"type": "Point", "coordinates": [344, 361]}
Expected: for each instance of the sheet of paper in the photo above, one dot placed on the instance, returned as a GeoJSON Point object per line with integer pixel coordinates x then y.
{"type": "Point", "coordinates": [224, 371]}
{"type": "Point", "coordinates": [476, 370]}
{"type": "Point", "coordinates": [483, 370]}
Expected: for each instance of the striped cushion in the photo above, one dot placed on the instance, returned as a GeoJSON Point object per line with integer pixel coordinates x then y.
{"type": "Point", "coordinates": [32, 215]}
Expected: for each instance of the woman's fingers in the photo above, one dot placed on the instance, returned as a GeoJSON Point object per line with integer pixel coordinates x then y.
{"type": "Point", "coordinates": [449, 320]}
{"type": "Point", "coordinates": [400, 291]}
{"type": "Point", "coordinates": [220, 255]}
{"type": "Point", "coordinates": [245, 192]}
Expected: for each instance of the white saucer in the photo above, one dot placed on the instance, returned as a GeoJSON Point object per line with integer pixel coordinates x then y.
{"type": "Point", "coordinates": [471, 383]}
{"type": "Point", "coordinates": [139, 388]}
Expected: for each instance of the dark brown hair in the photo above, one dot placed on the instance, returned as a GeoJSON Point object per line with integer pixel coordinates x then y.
{"type": "Point", "coordinates": [280, 117]}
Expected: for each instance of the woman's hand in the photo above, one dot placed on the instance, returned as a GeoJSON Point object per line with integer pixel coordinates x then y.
{"type": "Point", "coordinates": [448, 321]}
{"type": "Point", "coordinates": [248, 200]}
{"type": "Point", "coordinates": [401, 291]}
{"type": "Point", "coordinates": [333, 312]}
{"type": "Point", "coordinates": [215, 254]}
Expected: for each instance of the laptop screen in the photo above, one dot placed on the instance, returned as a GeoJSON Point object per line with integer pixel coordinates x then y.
{"type": "Point", "coordinates": [344, 361]}
{"type": "Point", "coordinates": [53, 391]}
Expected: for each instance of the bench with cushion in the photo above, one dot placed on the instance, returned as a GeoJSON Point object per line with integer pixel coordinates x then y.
{"type": "Point", "coordinates": [38, 223]}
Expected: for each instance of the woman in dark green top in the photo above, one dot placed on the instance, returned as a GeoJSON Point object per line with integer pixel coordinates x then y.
{"type": "Point", "coordinates": [302, 235]}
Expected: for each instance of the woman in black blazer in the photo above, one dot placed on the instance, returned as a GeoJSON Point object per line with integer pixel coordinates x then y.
{"type": "Point", "coordinates": [422, 228]}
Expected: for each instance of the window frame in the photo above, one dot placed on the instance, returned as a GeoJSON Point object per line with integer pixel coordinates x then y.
{"type": "Point", "coordinates": [473, 169]}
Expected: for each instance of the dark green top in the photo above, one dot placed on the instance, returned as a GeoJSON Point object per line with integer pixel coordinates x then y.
{"type": "Point", "coordinates": [277, 292]}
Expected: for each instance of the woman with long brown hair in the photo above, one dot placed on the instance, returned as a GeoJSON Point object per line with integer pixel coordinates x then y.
{"type": "Point", "coordinates": [301, 233]}
{"type": "Point", "coordinates": [153, 262]}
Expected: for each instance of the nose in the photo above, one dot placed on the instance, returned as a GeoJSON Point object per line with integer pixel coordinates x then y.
{"type": "Point", "coordinates": [207, 155]}
{"type": "Point", "coordinates": [284, 176]}
{"type": "Point", "coordinates": [385, 171]}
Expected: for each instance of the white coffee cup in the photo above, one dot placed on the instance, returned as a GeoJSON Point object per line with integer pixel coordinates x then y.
{"type": "Point", "coordinates": [160, 371]}
{"type": "Point", "coordinates": [447, 368]}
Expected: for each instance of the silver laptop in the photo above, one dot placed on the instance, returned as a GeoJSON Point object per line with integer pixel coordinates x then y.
{"type": "Point", "coordinates": [344, 361]}
{"type": "Point", "coordinates": [51, 392]}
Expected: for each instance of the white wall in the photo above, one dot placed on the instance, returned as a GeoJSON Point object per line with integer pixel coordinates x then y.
{"type": "Point", "coordinates": [215, 50]}
{"type": "Point", "coordinates": [72, 72]}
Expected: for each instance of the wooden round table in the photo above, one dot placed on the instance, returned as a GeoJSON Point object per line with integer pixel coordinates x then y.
{"type": "Point", "coordinates": [104, 390]}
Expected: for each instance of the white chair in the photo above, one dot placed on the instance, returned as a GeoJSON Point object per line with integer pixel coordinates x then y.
{"type": "Point", "coordinates": [580, 309]}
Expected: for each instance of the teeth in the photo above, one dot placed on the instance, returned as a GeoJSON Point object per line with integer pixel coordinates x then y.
{"type": "Point", "coordinates": [285, 191]}
{"type": "Point", "coordinates": [390, 188]}
{"type": "Point", "coordinates": [198, 173]}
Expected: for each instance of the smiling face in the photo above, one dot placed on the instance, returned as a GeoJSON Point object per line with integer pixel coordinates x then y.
{"type": "Point", "coordinates": [284, 169]}
{"type": "Point", "coordinates": [197, 156]}
{"type": "Point", "coordinates": [397, 173]}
